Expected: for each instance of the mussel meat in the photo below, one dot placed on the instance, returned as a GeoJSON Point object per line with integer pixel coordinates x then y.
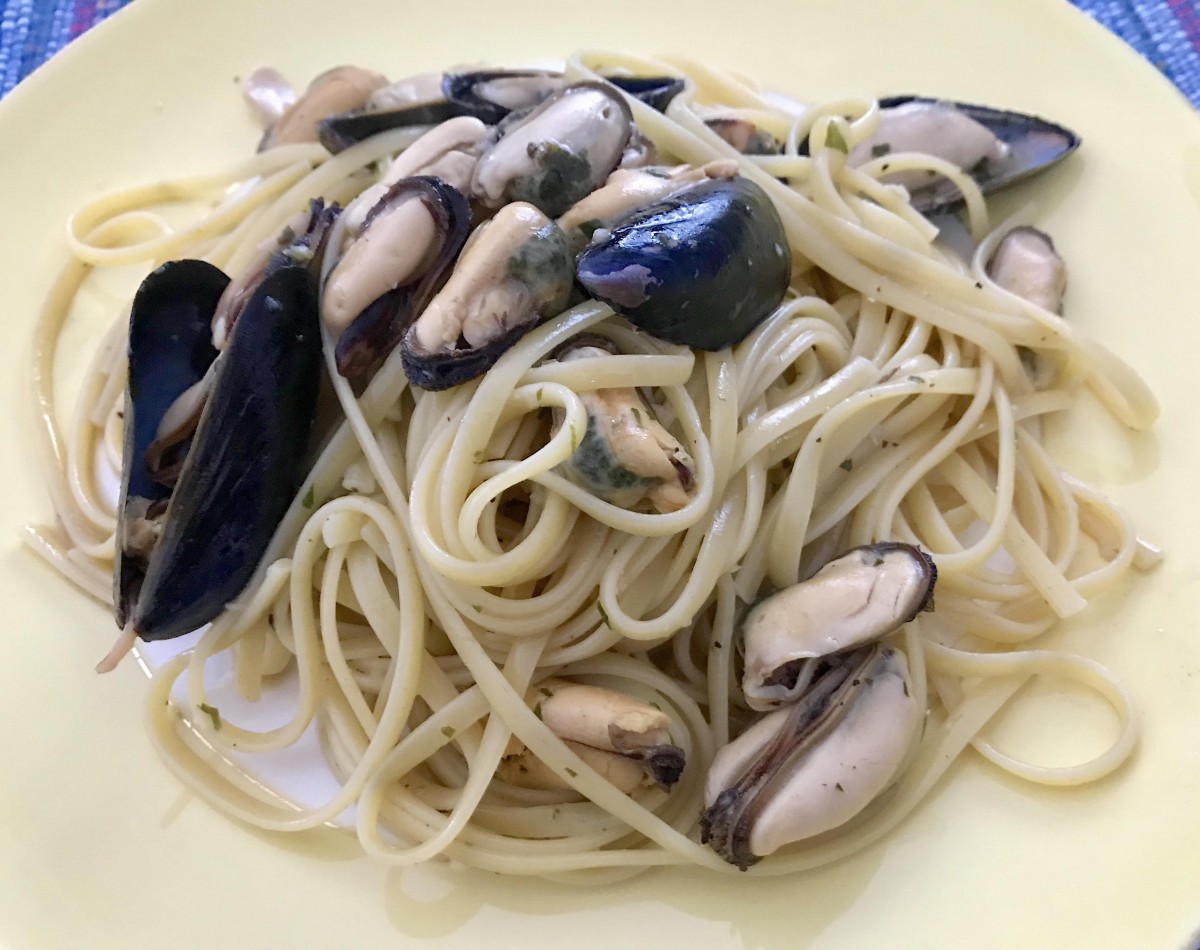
{"type": "Point", "coordinates": [334, 91]}
{"type": "Point", "coordinates": [628, 189]}
{"type": "Point", "coordinates": [702, 267]}
{"type": "Point", "coordinates": [1025, 263]}
{"type": "Point", "coordinates": [625, 455]}
{"type": "Point", "coordinates": [515, 270]}
{"type": "Point", "coordinates": [384, 278]}
{"type": "Point", "coordinates": [859, 597]}
{"type": "Point", "coordinates": [996, 148]}
{"type": "Point", "coordinates": [745, 136]}
{"type": "Point", "coordinates": [557, 153]}
{"type": "Point", "coordinates": [622, 738]}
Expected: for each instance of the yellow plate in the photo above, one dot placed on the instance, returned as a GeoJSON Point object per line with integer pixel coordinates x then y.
{"type": "Point", "coordinates": [99, 845]}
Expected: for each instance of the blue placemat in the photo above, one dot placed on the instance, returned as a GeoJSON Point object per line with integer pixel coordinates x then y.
{"type": "Point", "coordinates": [1166, 32]}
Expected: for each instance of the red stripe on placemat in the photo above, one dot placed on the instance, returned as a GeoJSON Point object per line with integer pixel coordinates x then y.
{"type": "Point", "coordinates": [84, 17]}
{"type": "Point", "coordinates": [1188, 18]}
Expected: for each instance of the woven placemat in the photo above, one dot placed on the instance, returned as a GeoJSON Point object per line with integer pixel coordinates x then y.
{"type": "Point", "coordinates": [1166, 32]}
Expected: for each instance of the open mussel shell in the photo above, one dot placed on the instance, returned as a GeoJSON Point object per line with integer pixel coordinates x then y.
{"type": "Point", "coordinates": [1027, 146]}
{"type": "Point", "coordinates": [702, 267]}
{"type": "Point", "coordinates": [170, 351]}
{"type": "Point", "coordinates": [245, 462]}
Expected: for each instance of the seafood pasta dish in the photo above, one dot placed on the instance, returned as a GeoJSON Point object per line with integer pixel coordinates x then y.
{"type": "Point", "coordinates": [614, 467]}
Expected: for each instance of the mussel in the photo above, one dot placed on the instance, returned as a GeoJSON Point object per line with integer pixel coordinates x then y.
{"type": "Point", "coordinates": [515, 270]}
{"type": "Point", "coordinates": [488, 95]}
{"type": "Point", "coordinates": [244, 463]}
{"type": "Point", "coordinates": [702, 267]}
{"type": "Point", "coordinates": [628, 189]}
{"type": "Point", "coordinates": [334, 91]}
{"type": "Point", "coordinates": [1026, 263]}
{"type": "Point", "coordinates": [745, 136]}
{"type": "Point", "coordinates": [861, 596]}
{"type": "Point", "coordinates": [994, 147]}
{"type": "Point", "coordinates": [812, 766]}
{"type": "Point", "coordinates": [558, 153]}
{"type": "Point", "coordinates": [387, 274]}
{"type": "Point", "coordinates": [182, 556]}
{"type": "Point", "coordinates": [622, 738]}
{"type": "Point", "coordinates": [844, 713]}
{"type": "Point", "coordinates": [625, 455]}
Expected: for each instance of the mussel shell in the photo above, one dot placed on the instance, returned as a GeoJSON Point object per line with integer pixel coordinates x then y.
{"type": "Point", "coordinates": [338, 132]}
{"type": "Point", "coordinates": [437, 371]}
{"type": "Point", "coordinates": [170, 350]}
{"type": "Point", "coordinates": [656, 91]}
{"type": "Point", "coordinates": [245, 463]}
{"type": "Point", "coordinates": [1035, 144]}
{"type": "Point", "coordinates": [541, 263]}
{"type": "Point", "coordinates": [702, 267]}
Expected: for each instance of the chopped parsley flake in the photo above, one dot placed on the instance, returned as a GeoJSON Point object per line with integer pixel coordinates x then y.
{"type": "Point", "coordinates": [309, 499]}
{"type": "Point", "coordinates": [878, 151]}
{"type": "Point", "coordinates": [847, 465]}
{"type": "Point", "coordinates": [572, 773]}
{"type": "Point", "coordinates": [213, 713]}
{"type": "Point", "coordinates": [603, 614]}
{"type": "Point", "coordinates": [833, 139]}
{"type": "Point", "coordinates": [448, 732]}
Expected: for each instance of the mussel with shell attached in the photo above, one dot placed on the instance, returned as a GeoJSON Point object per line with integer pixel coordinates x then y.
{"type": "Point", "coordinates": [334, 91]}
{"type": "Point", "coordinates": [489, 95]}
{"type": "Point", "coordinates": [844, 716]}
{"type": "Point", "coordinates": [628, 189]}
{"type": "Point", "coordinates": [702, 267]}
{"type": "Point", "coordinates": [514, 271]}
{"type": "Point", "coordinates": [625, 455]}
{"type": "Point", "coordinates": [386, 275]}
{"type": "Point", "coordinates": [624, 739]}
{"type": "Point", "coordinates": [995, 147]}
{"type": "Point", "coordinates": [559, 152]}
{"type": "Point", "coordinates": [182, 556]}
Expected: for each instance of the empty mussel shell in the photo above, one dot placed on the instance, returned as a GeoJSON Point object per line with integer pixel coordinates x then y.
{"type": "Point", "coordinates": [488, 95]}
{"type": "Point", "coordinates": [335, 91]}
{"type": "Point", "coordinates": [702, 267]}
{"type": "Point", "coordinates": [995, 147]}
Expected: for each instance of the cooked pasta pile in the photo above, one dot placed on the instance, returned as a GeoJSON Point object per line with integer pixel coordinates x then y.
{"type": "Point", "coordinates": [435, 567]}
